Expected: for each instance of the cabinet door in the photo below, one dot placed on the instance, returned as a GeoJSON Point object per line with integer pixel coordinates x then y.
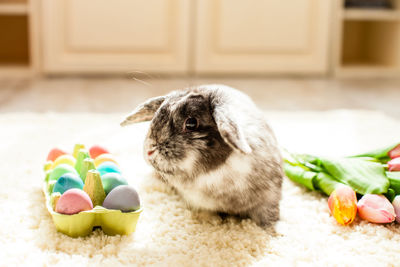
{"type": "Point", "coordinates": [115, 36]}
{"type": "Point", "coordinates": [262, 36]}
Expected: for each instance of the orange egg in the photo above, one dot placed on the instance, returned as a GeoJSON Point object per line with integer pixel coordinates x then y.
{"type": "Point", "coordinates": [96, 151]}
{"type": "Point", "coordinates": [55, 153]}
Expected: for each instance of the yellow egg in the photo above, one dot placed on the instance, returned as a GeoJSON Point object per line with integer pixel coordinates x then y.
{"type": "Point", "coordinates": [64, 159]}
{"type": "Point", "coordinates": [103, 158]}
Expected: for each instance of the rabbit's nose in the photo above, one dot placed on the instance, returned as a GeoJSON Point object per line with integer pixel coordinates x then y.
{"type": "Point", "coordinates": [150, 152]}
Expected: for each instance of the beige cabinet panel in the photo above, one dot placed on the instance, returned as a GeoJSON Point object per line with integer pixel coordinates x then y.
{"type": "Point", "coordinates": [262, 36]}
{"type": "Point", "coordinates": [118, 35]}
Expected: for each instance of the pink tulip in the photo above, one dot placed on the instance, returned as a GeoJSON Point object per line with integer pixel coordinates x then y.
{"type": "Point", "coordinates": [376, 209]}
{"type": "Point", "coordinates": [396, 206]}
{"type": "Point", "coordinates": [395, 152]}
{"type": "Point", "coordinates": [394, 165]}
{"type": "Point", "coordinates": [343, 204]}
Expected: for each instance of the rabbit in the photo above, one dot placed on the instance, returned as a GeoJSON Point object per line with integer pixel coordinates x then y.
{"type": "Point", "coordinates": [212, 144]}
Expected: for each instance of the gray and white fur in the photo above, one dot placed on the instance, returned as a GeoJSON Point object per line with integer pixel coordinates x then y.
{"type": "Point", "coordinates": [229, 162]}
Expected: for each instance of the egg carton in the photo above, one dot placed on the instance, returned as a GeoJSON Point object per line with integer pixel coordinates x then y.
{"type": "Point", "coordinates": [112, 222]}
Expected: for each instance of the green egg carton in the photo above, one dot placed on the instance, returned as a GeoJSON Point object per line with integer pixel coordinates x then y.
{"type": "Point", "coordinates": [112, 222]}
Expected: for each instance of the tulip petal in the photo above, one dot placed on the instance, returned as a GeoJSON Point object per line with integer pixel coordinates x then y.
{"type": "Point", "coordinates": [376, 209]}
{"type": "Point", "coordinates": [342, 204]}
{"type": "Point", "coordinates": [394, 165]}
{"type": "Point", "coordinates": [389, 216]}
{"type": "Point", "coordinates": [395, 152]}
{"type": "Point", "coordinates": [396, 206]}
{"type": "Point", "coordinates": [374, 215]}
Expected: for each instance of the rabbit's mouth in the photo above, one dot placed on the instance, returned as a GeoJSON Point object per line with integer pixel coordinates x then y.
{"type": "Point", "coordinates": [172, 167]}
{"type": "Point", "coordinates": [159, 164]}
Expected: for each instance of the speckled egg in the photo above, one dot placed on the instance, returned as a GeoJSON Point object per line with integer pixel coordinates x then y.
{"type": "Point", "coordinates": [96, 151]}
{"type": "Point", "coordinates": [122, 197]}
{"type": "Point", "coordinates": [67, 181]}
{"type": "Point", "coordinates": [73, 201]}
{"type": "Point", "coordinates": [111, 180]}
{"type": "Point", "coordinates": [107, 167]}
{"type": "Point", "coordinates": [61, 169]}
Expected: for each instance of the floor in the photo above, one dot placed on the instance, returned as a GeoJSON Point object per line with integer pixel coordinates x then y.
{"type": "Point", "coordinates": [122, 95]}
{"type": "Point", "coordinates": [167, 232]}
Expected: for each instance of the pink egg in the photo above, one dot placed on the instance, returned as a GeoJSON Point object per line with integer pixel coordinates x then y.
{"type": "Point", "coordinates": [74, 201]}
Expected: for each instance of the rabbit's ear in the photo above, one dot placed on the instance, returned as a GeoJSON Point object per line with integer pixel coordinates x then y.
{"type": "Point", "coordinates": [144, 112]}
{"type": "Point", "coordinates": [229, 128]}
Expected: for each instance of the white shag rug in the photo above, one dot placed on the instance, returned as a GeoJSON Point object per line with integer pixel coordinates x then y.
{"type": "Point", "coordinates": [168, 234]}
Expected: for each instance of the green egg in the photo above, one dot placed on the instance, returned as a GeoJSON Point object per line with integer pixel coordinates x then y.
{"type": "Point", "coordinates": [61, 169]}
{"type": "Point", "coordinates": [111, 180]}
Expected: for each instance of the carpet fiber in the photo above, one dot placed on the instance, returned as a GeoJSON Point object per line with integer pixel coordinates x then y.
{"type": "Point", "coordinates": [168, 234]}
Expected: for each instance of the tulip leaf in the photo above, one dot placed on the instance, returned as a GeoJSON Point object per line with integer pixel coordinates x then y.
{"type": "Point", "coordinates": [299, 175]}
{"type": "Point", "coordinates": [293, 160]}
{"type": "Point", "coordinates": [368, 159]}
{"type": "Point", "coordinates": [365, 177]}
{"type": "Point", "coordinates": [309, 158]}
{"type": "Point", "coordinates": [307, 161]}
{"type": "Point", "coordinates": [326, 183]}
{"type": "Point", "coordinates": [390, 195]}
{"type": "Point", "coordinates": [394, 179]}
{"type": "Point", "coordinates": [380, 154]}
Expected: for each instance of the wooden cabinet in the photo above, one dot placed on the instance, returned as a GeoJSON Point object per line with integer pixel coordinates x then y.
{"type": "Point", "coordinates": [366, 41]}
{"type": "Point", "coordinates": [115, 36]}
{"type": "Point", "coordinates": [262, 36]}
{"type": "Point", "coordinates": [182, 36]}
{"type": "Point", "coordinates": [18, 37]}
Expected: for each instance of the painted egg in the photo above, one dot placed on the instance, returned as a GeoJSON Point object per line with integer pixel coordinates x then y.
{"type": "Point", "coordinates": [64, 159]}
{"type": "Point", "coordinates": [67, 181]}
{"type": "Point", "coordinates": [122, 197]}
{"type": "Point", "coordinates": [74, 201]}
{"type": "Point", "coordinates": [96, 151]}
{"type": "Point", "coordinates": [107, 167]}
{"type": "Point", "coordinates": [55, 153]}
{"type": "Point", "coordinates": [61, 169]}
{"type": "Point", "coordinates": [103, 158]}
{"type": "Point", "coordinates": [111, 180]}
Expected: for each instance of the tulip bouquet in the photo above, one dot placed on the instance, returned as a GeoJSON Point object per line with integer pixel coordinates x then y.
{"type": "Point", "coordinates": [373, 178]}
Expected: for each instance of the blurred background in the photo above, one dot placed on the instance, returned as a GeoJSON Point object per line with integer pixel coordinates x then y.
{"type": "Point", "coordinates": [107, 56]}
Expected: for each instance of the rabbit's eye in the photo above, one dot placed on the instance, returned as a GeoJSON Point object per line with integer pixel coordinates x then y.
{"type": "Point", "coordinates": [191, 124]}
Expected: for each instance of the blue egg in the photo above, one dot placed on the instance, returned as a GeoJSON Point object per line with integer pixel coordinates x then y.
{"type": "Point", "coordinates": [107, 167]}
{"type": "Point", "coordinates": [67, 181]}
